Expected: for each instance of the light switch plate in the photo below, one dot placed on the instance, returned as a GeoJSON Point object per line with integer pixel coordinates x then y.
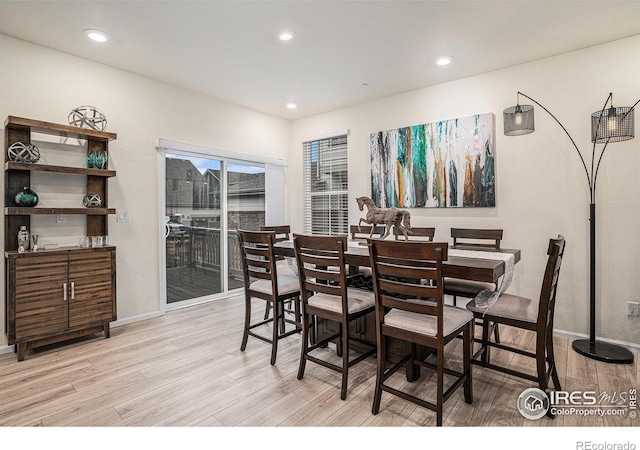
{"type": "Point", "coordinates": [123, 216]}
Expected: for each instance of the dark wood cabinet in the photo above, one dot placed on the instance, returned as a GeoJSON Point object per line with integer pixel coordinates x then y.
{"type": "Point", "coordinates": [55, 295]}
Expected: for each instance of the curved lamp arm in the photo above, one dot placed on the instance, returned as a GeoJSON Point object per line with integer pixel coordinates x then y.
{"type": "Point", "coordinates": [595, 166]}
{"type": "Point", "coordinates": [570, 138]}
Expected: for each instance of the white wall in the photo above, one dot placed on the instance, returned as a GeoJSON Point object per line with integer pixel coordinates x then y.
{"type": "Point", "coordinates": [42, 84]}
{"type": "Point", "coordinates": [541, 186]}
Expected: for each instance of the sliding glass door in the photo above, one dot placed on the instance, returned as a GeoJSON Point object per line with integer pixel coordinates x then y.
{"type": "Point", "coordinates": [206, 201]}
{"type": "Point", "coordinates": [193, 229]}
{"type": "Point", "coordinates": [245, 211]}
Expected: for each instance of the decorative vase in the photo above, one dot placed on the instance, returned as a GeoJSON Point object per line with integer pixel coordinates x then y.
{"type": "Point", "coordinates": [91, 159]}
{"type": "Point", "coordinates": [26, 197]}
{"type": "Point", "coordinates": [101, 159]}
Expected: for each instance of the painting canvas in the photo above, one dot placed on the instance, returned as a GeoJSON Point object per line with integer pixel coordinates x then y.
{"type": "Point", "coordinates": [441, 164]}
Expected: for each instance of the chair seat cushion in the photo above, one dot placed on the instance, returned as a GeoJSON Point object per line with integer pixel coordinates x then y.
{"type": "Point", "coordinates": [464, 288]}
{"type": "Point", "coordinates": [359, 300]}
{"type": "Point", "coordinates": [510, 307]}
{"type": "Point", "coordinates": [287, 284]}
{"type": "Point", "coordinates": [453, 318]}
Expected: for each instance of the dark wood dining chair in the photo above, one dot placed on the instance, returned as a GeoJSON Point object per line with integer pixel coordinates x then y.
{"type": "Point", "coordinates": [411, 310]}
{"type": "Point", "coordinates": [534, 315]}
{"type": "Point", "coordinates": [362, 279]}
{"type": "Point", "coordinates": [283, 233]}
{"type": "Point", "coordinates": [362, 233]}
{"type": "Point", "coordinates": [417, 234]}
{"type": "Point", "coordinates": [262, 281]}
{"type": "Point", "coordinates": [477, 238]}
{"type": "Point", "coordinates": [325, 295]}
{"type": "Point", "coordinates": [473, 239]}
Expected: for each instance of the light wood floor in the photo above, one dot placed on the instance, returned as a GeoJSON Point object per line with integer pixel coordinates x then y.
{"type": "Point", "coordinates": [186, 369]}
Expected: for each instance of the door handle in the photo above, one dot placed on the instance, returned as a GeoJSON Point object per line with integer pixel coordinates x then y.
{"type": "Point", "coordinates": [64, 292]}
{"type": "Point", "coordinates": [73, 290]}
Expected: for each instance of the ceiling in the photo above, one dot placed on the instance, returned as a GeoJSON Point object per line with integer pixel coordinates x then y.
{"type": "Point", "coordinates": [343, 52]}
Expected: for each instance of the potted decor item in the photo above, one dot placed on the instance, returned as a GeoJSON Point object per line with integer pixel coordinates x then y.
{"type": "Point", "coordinates": [91, 159]}
{"type": "Point", "coordinates": [101, 159]}
{"type": "Point", "coordinates": [26, 198]}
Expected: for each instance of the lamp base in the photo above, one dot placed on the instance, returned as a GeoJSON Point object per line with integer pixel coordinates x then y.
{"type": "Point", "coordinates": [603, 351]}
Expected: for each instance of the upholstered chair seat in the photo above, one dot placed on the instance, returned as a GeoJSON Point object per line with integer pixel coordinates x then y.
{"type": "Point", "coordinates": [358, 300]}
{"type": "Point", "coordinates": [453, 319]}
{"type": "Point", "coordinates": [509, 307]}
{"type": "Point", "coordinates": [287, 284]}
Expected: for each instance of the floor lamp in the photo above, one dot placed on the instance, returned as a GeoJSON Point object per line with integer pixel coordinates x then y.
{"type": "Point", "coordinates": [607, 125]}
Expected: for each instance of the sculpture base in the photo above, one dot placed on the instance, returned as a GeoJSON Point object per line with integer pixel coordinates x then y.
{"type": "Point", "coordinates": [603, 351]}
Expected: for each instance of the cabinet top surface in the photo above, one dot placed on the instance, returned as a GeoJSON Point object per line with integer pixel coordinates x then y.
{"type": "Point", "coordinates": [58, 129]}
{"type": "Point", "coordinates": [44, 252]}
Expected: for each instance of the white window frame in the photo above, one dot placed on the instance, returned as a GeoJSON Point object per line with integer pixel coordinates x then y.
{"type": "Point", "coordinates": [324, 143]}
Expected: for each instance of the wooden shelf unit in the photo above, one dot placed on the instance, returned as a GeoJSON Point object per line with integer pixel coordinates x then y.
{"type": "Point", "coordinates": [59, 294]}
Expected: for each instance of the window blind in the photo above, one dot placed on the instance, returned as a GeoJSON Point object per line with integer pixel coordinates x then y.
{"type": "Point", "coordinates": [326, 186]}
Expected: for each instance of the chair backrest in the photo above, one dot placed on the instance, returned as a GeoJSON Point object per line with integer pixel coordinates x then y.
{"type": "Point", "coordinates": [321, 266]}
{"type": "Point", "coordinates": [546, 306]}
{"type": "Point", "coordinates": [405, 274]}
{"type": "Point", "coordinates": [417, 234]}
{"type": "Point", "coordinates": [283, 232]}
{"type": "Point", "coordinates": [258, 257]}
{"type": "Point", "coordinates": [362, 234]}
{"type": "Point", "coordinates": [477, 238]}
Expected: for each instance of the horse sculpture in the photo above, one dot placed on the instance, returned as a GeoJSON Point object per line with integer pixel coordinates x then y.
{"type": "Point", "coordinates": [387, 217]}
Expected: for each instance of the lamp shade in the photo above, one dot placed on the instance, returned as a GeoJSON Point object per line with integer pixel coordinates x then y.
{"type": "Point", "coordinates": [518, 120]}
{"type": "Point", "coordinates": [612, 125]}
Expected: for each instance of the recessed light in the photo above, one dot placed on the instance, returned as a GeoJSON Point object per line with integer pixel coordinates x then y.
{"type": "Point", "coordinates": [292, 105]}
{"type": "Point", "coordinates": [286, 35]}
{"type": "Point", "coordinates": [96, 35]}
{"type": "Point", "coordinates": [444, 60]}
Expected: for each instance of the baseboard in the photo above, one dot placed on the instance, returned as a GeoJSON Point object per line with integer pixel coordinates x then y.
{"type": "Point", "coordinates": [635, 348]}
{"type": "Point", "coordinates": [115, 324]}
{"type": "Point", "coordinates": [133, 319]}
{"type": "Point", "coordinates": [6, 349]}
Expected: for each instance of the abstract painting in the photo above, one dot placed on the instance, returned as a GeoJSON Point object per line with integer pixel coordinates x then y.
{"type": "Point", "coordinates": [440, 164]}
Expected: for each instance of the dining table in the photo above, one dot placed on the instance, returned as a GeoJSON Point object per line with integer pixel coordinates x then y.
{"type": "Point", "coordinates": [466, 262]}
{"type": "Point", "coordinates": [459, 264]}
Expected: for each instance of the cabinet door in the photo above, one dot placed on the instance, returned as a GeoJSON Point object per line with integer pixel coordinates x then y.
{"type": "Point", "coordinates": [40, 305]}
{"type": "Point", "coordinates": [91, 279]}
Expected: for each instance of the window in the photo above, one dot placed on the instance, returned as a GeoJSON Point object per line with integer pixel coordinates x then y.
{"type": "Point", "coordinates": [325, 186]}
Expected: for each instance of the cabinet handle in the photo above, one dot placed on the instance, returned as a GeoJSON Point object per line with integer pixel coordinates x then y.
{"type": "Point", "coordinates": [64, 292]}
{"type": "Point", "coordinates": [73, 290]}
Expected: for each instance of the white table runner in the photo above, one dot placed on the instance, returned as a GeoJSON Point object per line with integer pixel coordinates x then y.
{"type": "Point", "coordinates": [486, 298]}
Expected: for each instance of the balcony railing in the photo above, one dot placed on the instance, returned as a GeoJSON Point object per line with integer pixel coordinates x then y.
{"type": "Point", "coordinates": [201, 247]}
